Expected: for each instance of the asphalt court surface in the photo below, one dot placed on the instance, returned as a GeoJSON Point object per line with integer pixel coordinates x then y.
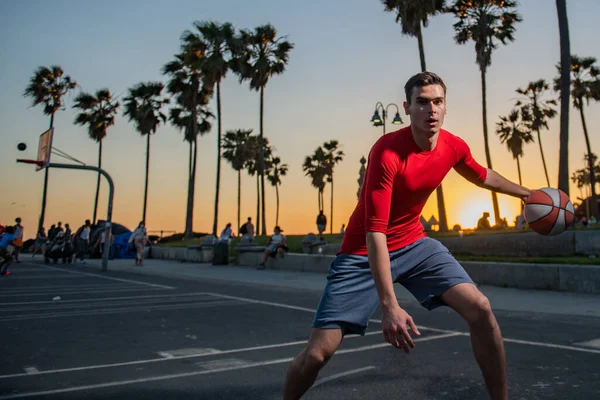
{"type": "Point", "coordinates": [121, 335]}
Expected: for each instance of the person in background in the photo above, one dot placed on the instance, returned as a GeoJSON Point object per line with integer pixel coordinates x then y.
{"type": "Point", "coordinates": [226, 233]}
{"type": "Point", "coordinates": [277, 245]}
{"type": "Point", "coordinates": [343, 230]}
{"type": "Point", "coordinates": [18, 242]}
{"type": "Point", "coordinates": [6, 249]}
{"type": "Point", "coordinates": [139, 237]}
{"type": "Point", "coordinates": [321, 224]}
{"type": "Point", "coordinates": [82, 237]}
{"type": "Point", "coordinates": [484, 222]}
{"type": "Point", "coordinates": [247, 230]}
{"type": "Point", "coordinates": [40, 242]}
{"type": "Point", "coordinates": [67, 233]}
{"type": "Point", "coordinates": [52, 232]}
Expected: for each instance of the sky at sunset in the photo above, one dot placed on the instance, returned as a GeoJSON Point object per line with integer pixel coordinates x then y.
{"type": "Point", "coordinates": [348, 55]}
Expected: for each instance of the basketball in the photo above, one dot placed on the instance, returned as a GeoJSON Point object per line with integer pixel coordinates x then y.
{"type": "Point", "coordinates": [548, 211]}
{"type": "Point", "coordinates": [22, 146]}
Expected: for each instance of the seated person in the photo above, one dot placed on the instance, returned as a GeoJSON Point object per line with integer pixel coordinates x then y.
{"type": "Point", "coordinates": [484, 223]}
{"type": "Point", "coordinates": [277, 245]}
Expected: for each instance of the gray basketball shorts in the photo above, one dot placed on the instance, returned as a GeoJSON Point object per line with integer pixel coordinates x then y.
{"type": "Point", "coordinates": [426, 268]}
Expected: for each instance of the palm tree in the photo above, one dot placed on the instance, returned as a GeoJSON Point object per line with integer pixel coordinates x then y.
{"type": "Point", "coordinates": [253, 165]}
{"type": "Point", "coordinates": [218, 40]}
{"type": "Point", "coordinates": [485, 22]}
{"type": "Point", "coordinates": [539, 111]}
{"type": "Point", "coordinates": [48, 86]}
{"type": "Point", "coordinates": [515, 132]}
{"type": "Point", "coordinates": [565, 83]}
{"type": "Point", "coordinates": [185, 82]}
{"type": "Point", "coordinates": [265, 55]}
{"type": "Point", "coordinates": [144, 106]}
{"type": "Point", "coordinates": [276, 172]}
{"type": "Point", "coordinates": [332, 156]}
{"type": "Point", "coordinates": [314, 167]}
{"type": "Point", "coordinates": [192, 122]}
{"type": "Point", "coordinates": [236, 150]}
{"type": "Point", "coordinates": [585, 86]}
{"type": "Point", "coordinates": [98, 113]}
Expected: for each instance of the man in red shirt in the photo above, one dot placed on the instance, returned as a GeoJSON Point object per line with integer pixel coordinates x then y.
{"type": "Point", "coordinates": [385, 243]}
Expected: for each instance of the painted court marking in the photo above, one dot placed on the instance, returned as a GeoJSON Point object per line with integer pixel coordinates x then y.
{"type": "Point", "coordinates": [166, 356]}
{"type": "Point", "coordinates": [112, 278]}
{"type": "Point", "coordinates": [100, 299]}
{"type": "Point", "coordinates": [340, 375]}
{"type": "Point", "coordinates": [31, 370]}
{"type": "Point", "coordinates": [595, 343]}
{"type": "Point", "coordinates": [188, 374]}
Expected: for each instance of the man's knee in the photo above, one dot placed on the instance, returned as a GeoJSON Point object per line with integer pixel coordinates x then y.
{"type": "Point", "coordinates": [480, 312]}
{"type": "Point", "coordinates": [316, 357]}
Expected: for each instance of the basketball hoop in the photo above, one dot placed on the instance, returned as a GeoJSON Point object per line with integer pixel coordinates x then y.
{"type": "Point", "coordinates": [40, 164]}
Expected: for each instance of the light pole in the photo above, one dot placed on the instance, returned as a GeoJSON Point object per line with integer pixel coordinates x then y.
{"type": "Point", "coordinates": [379, 119]}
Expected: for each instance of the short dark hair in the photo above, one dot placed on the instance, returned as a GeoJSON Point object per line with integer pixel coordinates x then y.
{"type": "Point", "coordinates": [422, 79]}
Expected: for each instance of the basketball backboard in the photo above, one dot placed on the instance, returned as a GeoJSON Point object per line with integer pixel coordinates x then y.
{"type": "Point", "coordinates": [45, 148]}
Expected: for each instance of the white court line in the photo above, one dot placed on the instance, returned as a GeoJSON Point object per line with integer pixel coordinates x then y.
{"type": "Point", "coordinates": [109, 277]}
{"type": "Point", "coordinates": [553, 346]}
{"type": "Point", "coordinates": [182, 375]}
{"type": "Point", "coordinates": [116, 310]}
{"type": "Point", "coordinates": [44, 288]}
{"type": "Point", "coordinates": [168, 356]}
{"type": "Point", "coordinates": [540, 344]}
{"type": "Point", "coordinates": [61, 292]}
{"type": "Point", "coordinates": [31, 370]}
{"type": "Point", "coordinates": [99, 299]}
{"type": "Point", "coordinates": [340, 375]}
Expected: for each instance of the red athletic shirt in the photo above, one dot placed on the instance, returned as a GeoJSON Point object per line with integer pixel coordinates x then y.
{"type": "Point", "coordinates": [398, 181]}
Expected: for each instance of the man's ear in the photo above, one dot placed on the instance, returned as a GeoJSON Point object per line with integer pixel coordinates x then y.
{"type": "Point", "coordinates": [405, 105]}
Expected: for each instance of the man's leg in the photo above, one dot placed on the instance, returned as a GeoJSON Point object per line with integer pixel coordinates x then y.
{"type": "Point", "coordinates": [306, 366]}
{"type": "Point", "coordinates": [486, 338]}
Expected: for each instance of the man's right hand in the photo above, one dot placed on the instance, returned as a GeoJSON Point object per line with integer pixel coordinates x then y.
{"type": "Point", "coordinates": [394, 322]}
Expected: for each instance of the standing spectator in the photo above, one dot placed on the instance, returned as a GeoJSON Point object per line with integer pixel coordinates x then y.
{"type": "Point", "coordinates": [247, 230]}
{"type": "Point", "coordinates": [6, 249]}
{"type": "Point", "coordinates": [18, 242]}
{"type": "Point", "coordinates": [321, 224]}
{"type": "Point", "coordinates": [343, 230]}
{"type": "Point", "coordinates": [40, 242]}
{"type": "Point", "coordinates": [67, 233]}
{"type": "Point", "coordinates": [82, 237]}
{"type": "Point", "coordinates": [59, 228]}
{"type": "Point", "coordinates": [102, 241]}
{"type": "Point", "coordinates": [484, 222]}
{"type": "Point", "coordinates": [52, 232]}
{"type": "Point", "coordinates": [139, 237]}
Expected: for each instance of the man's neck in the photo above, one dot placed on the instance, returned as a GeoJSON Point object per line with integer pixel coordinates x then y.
{"type": "Point", "coordinates": [424, 140]}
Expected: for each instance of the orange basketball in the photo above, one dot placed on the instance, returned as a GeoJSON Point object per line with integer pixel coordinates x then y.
{"type": "Point", "coordinates": [549, 211]}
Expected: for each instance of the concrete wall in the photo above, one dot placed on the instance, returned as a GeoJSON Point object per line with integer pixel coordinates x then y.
{"type": "Point", "coordinates": [526, 244]}
{"type": "Point", "coordinates": [569, 278]}
{"type": "Point", "coordinates": [181, 254]}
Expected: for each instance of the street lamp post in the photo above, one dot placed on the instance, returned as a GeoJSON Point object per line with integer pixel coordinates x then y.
{"type": "Point", "coordinates": [379, 119]}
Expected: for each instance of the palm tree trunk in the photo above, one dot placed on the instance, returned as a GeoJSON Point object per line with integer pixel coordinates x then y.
{"type": "Point", "coordinates": [189, 216]}
{"type": "Point", "coordinates": [277, 197]}
{"type": "Point", "coordinates": [187, 207]}
{"type": "Point", "coordinates": [421, 48]}
{"type": "Point", "coordinates": [216, 218]}
{"type": "Point", "coordinates": [519, 171]}
{"type": "Point", "coordinates": [262, 161]}
{"type": "Point", "coordinates": [147, 173]}
{"type": "Point", "coordinates": [487, 145]}
{"type": "Point", "coordinates": [543, 158]}
{"type": "Point", "coordinates": [594, 206]}
{"type": "Point", "coordinates": [45, 189]}
{"type": "Point", "coordinates": [239, 197]}
{"type": "Point", "coordinates": [331, 209]}
{"type": "Point", "coordinates": [565, 84]}
{"type": "Point", "coordinates": [257, 203]}
{"type": "Point", "coordinates": [443, 219]}
{"type": "Point", "coordinates": [97, 182]}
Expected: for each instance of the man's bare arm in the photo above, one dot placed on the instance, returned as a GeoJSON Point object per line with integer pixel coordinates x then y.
{"type": "Point", "coordinates": [497, 183]}
{"type": "Point", "coordinates": [394, 319]}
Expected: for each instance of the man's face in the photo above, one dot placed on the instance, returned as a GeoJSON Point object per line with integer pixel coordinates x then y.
{"type": "Point", "coordinates": [427, 108]}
